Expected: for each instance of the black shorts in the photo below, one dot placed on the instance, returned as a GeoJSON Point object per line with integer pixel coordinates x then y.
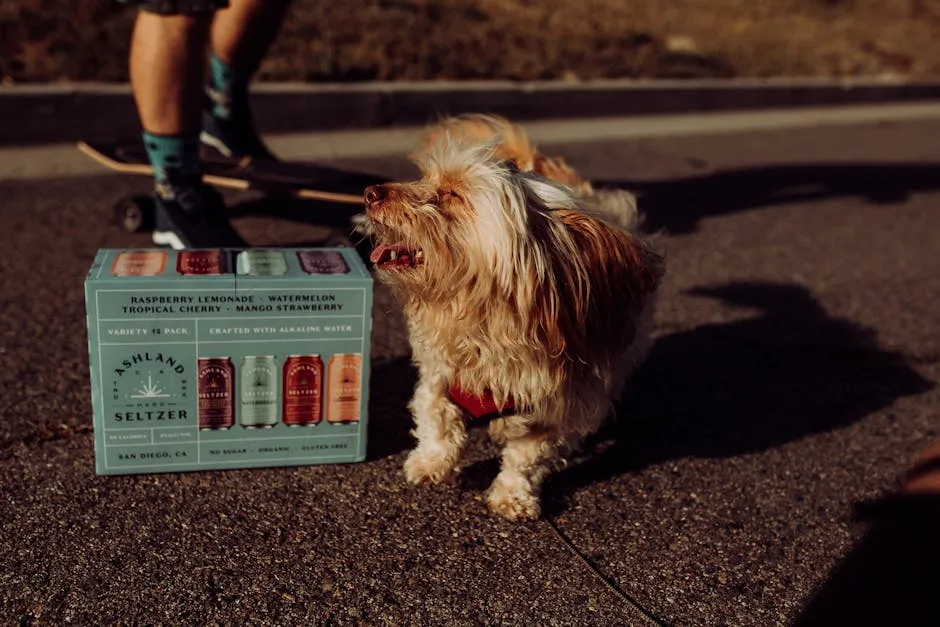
{"type": "Point", "coordinates": [177, 7]}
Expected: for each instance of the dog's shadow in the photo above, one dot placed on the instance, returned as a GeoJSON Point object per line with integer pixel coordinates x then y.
{"type": "Point", "coordinates": [721, 390]}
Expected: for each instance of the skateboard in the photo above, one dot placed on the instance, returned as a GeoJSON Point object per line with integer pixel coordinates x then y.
{"type": "Point", "coordinates": [137, 213]}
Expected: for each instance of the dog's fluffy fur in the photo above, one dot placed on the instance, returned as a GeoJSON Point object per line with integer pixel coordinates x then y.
{"type": "Point", "coordinates": [509, 143]}
{"type": "Point", "coordinates": [516, 279]}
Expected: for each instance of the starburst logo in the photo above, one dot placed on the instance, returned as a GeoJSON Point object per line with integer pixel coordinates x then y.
{"type": "Point", "coordinates": [150, 389]}
{"type": "Point", "coordinates": [149, 379]}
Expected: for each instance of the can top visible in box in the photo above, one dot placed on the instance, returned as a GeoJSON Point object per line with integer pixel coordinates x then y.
{"type": "Point", "coordinates": [274, 263]}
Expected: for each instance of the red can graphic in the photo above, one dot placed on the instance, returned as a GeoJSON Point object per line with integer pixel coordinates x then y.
{"type": "Point", "coordinates": [216, 381]}
{"type": "Point", "coordinates": [343, 387]}
{"type": "Point", "coordinates": [302, 390]}
{"type": "Point", "coordinates": [202, 262]}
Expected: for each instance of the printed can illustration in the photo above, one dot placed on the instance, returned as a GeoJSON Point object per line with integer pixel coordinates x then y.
{"type": "Point", "coordinates": [303, 390]}
{"type": "Point", "coordinates": [139, 263]}
{"type": "Point", "coordinates": [216, 392]}
{"type": "Point", "coordinates": [258, 392]}
{"type": "Point", "coordinates": [322, 262]}
{"type": "Point", "coordinates": [261, 263]}
{"type": "Point", "coordinates": [343, 389]}
{"type": "Point", "coordinates": [202, 262]}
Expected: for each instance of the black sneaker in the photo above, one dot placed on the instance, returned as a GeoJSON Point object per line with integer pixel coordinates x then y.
{"type": "Point", "coordinates": [235, 139]}
{"type": "Point", "coordinates": [193, 217]}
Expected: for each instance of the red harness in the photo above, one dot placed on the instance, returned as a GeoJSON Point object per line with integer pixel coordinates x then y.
{"type": "Point", "coordinates": [479, 406]}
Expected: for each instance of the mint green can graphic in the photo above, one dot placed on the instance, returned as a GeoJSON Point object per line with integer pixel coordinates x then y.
{"type": "Point", "coordinates": [258, 392]}
{"type": "Point", "coordinates": [261, 263]}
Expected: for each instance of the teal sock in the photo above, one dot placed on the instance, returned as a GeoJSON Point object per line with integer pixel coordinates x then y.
{"type": "Point", "coordinates": [228, 87]}
{"type": "Point", "coordinates": [175, 161]}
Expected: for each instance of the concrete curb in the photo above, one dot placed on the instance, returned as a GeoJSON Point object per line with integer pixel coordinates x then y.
{"type": "Point", "coordinates": [58, 113]}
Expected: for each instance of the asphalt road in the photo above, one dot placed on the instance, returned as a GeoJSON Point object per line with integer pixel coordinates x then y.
{"type": "Point", "coordinates": [795, 372]}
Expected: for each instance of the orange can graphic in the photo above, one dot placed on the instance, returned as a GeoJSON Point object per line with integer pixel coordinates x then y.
{"type": "Point", "coordinates": [139, 263]}
{"type": "Point", "coordinates": [343, 387]}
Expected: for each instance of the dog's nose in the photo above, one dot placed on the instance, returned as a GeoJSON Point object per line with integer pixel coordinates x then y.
{"type": "Point", "coordinates": [375, 193]}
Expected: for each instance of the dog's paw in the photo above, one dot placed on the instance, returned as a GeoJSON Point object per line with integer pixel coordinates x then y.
{"type": "Point", "coordinates": [514, 502]}
{"type": "Point", "coordinates": [424, 466]}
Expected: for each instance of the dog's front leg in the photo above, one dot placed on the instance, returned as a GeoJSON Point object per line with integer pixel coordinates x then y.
{"type": "Point", "coordinates": [439, 428]}
{"type": "Point", "coordinates": [528, 456]}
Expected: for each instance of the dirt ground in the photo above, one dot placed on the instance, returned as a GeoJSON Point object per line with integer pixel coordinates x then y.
{"type": "Point", "coordinates": [66, 40]}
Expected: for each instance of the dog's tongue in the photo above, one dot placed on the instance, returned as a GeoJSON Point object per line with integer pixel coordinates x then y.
{"type": "Point", "coordinates": [383, 252]}
{"type": "Point", "coordinates": [379, 251]}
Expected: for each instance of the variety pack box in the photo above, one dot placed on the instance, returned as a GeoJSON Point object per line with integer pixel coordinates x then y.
{"type": "Point", "coordinates": [211, 359]}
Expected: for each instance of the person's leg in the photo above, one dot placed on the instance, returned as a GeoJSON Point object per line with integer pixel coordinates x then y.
{"type": "Point", "coordinates": [241, 36]}
{"type": "Point", "coordinates": [167, 70]}
{"type": "Point", "coordinates": [243, 33]}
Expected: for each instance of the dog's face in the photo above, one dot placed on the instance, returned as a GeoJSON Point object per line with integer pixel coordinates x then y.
{"type": "Point", "coordinates": [459, 227]}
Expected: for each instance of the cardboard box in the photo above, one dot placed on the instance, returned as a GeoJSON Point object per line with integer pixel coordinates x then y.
{"type": "Point", "coordinates": [213, 359]}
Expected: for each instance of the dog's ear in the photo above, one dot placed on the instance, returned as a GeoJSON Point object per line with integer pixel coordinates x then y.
{"type": "Point", "coordinates": [600, 292]}
{"type": "Point", "coordinates": [625, 268]}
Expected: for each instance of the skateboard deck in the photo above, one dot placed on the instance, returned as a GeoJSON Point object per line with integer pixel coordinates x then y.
{"type": "Point", "coordinates": [303, 181]}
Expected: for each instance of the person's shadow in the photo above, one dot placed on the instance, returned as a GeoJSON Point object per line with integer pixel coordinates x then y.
{"type": "Point", "coordinates": [677, 205]}
{"type": "Point", "coordinates": [721, 390]}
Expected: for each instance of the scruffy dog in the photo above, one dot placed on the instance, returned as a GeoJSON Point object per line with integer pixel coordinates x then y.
{"type": "Point", "coordinates": [522, 300]}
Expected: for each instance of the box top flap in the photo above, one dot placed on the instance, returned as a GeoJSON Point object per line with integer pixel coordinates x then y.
{"type": "Point", "coordinates": [156, 264]}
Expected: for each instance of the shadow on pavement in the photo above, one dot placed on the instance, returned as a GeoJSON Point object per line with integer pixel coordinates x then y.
{"type": "Point", "coordinates": [726, 389]}
{"type": "Point", "coordinates": [677, 205]}
{"type": "Point", "coordinates": [890, 576]}
{"type": "Point", "coordinates": [277, 200]}
{"type": "Point", "coordinates": [286, 207]}
{"type": "Point", "coordinates": [673, 205]}
{"type": "Point", "coordinates": [391, 386]}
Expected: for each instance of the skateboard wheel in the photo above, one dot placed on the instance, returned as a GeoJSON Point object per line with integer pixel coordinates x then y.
{"type": "Point", "coordinates": [135, 214]}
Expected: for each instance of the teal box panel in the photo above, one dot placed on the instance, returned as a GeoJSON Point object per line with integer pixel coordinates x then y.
{"type": "Point", "coordinates": [222, 359]}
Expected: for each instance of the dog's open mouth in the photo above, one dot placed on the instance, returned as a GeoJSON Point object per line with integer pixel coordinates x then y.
{"type": "Point", "coordinates": [396, 257]}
